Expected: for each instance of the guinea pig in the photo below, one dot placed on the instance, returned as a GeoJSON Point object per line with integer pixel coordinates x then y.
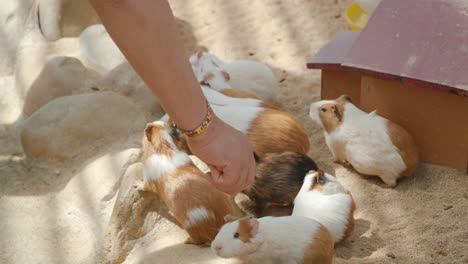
{"type": "Point", "coordinates": [196, 204]}
{"type": "Point", "coordinates": [324, 199]}
{"type": "Point", "coordinates": [232, 97]}
{"type": "Point", "coordinates": [269, 240]}
{"type": "Point", "coordinates": [244, 94]}
{"type": "Point", "coordinates": [372, 144]}
{"type": "Point", "coordinates": [278, 179]}
{"type": "Point", "coordinates": [247, 75]}
{"type": "Point", "coordinates": [207, 70]}
{"type": "Point", "coordinates": [269, 130]}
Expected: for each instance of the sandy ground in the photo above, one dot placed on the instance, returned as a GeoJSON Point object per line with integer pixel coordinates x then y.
{"type": "Point", "coordinates": [58, 212]}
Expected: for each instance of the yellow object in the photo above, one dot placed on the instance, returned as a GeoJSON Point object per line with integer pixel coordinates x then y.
{"type": "Point", "coordinates": [356, 17]}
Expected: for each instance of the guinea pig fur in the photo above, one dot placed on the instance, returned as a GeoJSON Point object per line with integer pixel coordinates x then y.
{"type": "Point", "coordinates": [324, 199]}
{"type": "Point", "coordinates": [251, 76]}
{"type": "Point", "coordinates": [269, 130]}
{"type": "Point", "coordinates": [269, 240]}
{"type": "Point", "coordinates": [278, 179]}
{"type": "Point", "coordinates": [372, 144]}
{"type": "Point", "coordinates": [228, 97]}
{"type": "Point", "coordinates": [244, 94]}
{"type": "Point", "coordinates": [207, 70]}
{"type": "Point", "coordinates": [196, 204]}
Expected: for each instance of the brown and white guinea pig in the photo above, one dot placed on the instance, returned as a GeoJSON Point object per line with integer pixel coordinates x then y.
{"type": "Point", "coordinates": [324, 199]}
{"type": "Point", "coordinates": [269, 240]}
{"type": "Point", "coordinates": [269, 130]}
{"type": "Point", "coordinates": [278, 179]}
{"type": "Point", "coordinates": [372, 144]}
{"type": "Point", "coordinates": [196, 204]}
{"type": "Point", "coordinates": [247, 75]}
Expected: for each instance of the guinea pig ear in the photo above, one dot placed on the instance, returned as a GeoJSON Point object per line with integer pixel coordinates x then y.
{"type": "Point", "coordinates": [149, 132]}
{"type": "Point", "coordinates": [344, 99]}
{"type": "Point", "coordinates": [226, 75]}
{"type": "Point", "coordinates": [253, 224]}
{"type": "Point", "coordinates": [337, 111]}
{"type": "Point", "coordinates": [199, 54]}
{"type": "Point", "coordinates": [229, 218]}
{"type": "Point", "coordinates": [321, 179]}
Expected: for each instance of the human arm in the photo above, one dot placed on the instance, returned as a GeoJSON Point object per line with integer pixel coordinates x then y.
{"type": "Point", "coordinates": [146, 33]}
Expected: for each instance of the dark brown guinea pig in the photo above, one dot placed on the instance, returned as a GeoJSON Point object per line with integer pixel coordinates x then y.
{"type": "Point", "coordinates": [278, 179]}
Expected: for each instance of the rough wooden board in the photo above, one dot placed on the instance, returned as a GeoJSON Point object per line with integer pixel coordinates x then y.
{"type": "Point", "coordinates": [338, 82]}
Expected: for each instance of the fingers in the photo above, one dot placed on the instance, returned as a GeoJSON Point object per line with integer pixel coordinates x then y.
{"type": "Point", "coordinates": [219, 181]}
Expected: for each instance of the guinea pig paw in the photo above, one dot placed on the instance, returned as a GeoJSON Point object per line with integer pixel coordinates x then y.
{"type": "Point", "coordinates": [390, 184]}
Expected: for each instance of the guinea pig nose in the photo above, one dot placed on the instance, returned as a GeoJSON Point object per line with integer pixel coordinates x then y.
{"type": "Point", "coordinates": [218, 248]}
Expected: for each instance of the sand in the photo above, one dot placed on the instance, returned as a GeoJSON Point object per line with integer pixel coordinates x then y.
{"type": "Point", "coordinates": [62, 185]}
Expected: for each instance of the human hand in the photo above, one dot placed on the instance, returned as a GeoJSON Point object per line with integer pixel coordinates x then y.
{"type": "Point", "coordinates": [228, 153]}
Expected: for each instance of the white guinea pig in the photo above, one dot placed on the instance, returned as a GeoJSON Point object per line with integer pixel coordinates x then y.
{"type": "Point", "coordinates": [372, 144]}
{"type": "Point", "coordinates": [324, 199]}
{"type": "Point", "coordinates": [207, 70]}
{"type": "Point", "coordinates": [287, 239]}
{"type": "Point", "coordinates": [247, 75]}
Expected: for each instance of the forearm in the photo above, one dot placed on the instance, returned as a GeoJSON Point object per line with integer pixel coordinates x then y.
{"type": "Point", "coordinates": [146, 33]}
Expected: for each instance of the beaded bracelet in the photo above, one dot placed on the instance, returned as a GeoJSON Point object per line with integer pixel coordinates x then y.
{"type": "Point", "coordinates": [201, 128]}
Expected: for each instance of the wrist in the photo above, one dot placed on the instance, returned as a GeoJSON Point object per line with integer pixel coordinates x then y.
{"type": "Point", "coordinates": [193, 120]}
{"type": "Point", "coordinates": [202, 125]}
{"type": "Point", "coordinates": [209, 133]}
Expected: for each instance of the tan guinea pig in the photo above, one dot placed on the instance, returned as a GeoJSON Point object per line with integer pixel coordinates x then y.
{"type": "Point", "coordinates": [269, 240]}
{"type": "Point", "coordinates": [269, 130]}
{"type": "Point", "coordinates": [372, 144]}
{"type": "Point", "coordinates": [196, 204]}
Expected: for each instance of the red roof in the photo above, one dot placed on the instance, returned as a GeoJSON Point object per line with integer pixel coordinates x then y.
{"type": "Point", "coordinates": [423, 42]}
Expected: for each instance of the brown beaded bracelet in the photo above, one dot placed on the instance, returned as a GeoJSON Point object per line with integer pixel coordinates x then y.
{"type": "Point", "coordinates": [201, 128]}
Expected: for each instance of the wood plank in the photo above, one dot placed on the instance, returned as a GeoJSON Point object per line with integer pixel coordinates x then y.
{"type": "Point", "coordinates": [338, 82]}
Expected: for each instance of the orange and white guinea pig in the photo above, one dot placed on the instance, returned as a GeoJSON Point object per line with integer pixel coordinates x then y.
{"type": "Point", "coordinates": [269, 130]}
{"type": "Point", "coordinates": [269, 240]}
{"type": "Point", "coordinates": [372, 144]}
{"type": "Point", "coordinates": [324, 199]}
{"type": "Point", "coordinates": [196, 204]}
{"type": "Point", "coordinates": [247, 75]}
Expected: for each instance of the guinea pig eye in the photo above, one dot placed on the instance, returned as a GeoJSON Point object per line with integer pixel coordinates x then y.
{"type": "Point", "coordinates": [323, 109]}
{"type": "Point", "coordinates": [236, 235]}
{"type": "Point", "coordinates": [205, 83]}
{"type": "Point", "coordinates": [322, 181]}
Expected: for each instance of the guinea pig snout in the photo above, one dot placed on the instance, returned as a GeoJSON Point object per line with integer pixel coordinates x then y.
{"type": "Point", "coordinates": [217, 248]}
